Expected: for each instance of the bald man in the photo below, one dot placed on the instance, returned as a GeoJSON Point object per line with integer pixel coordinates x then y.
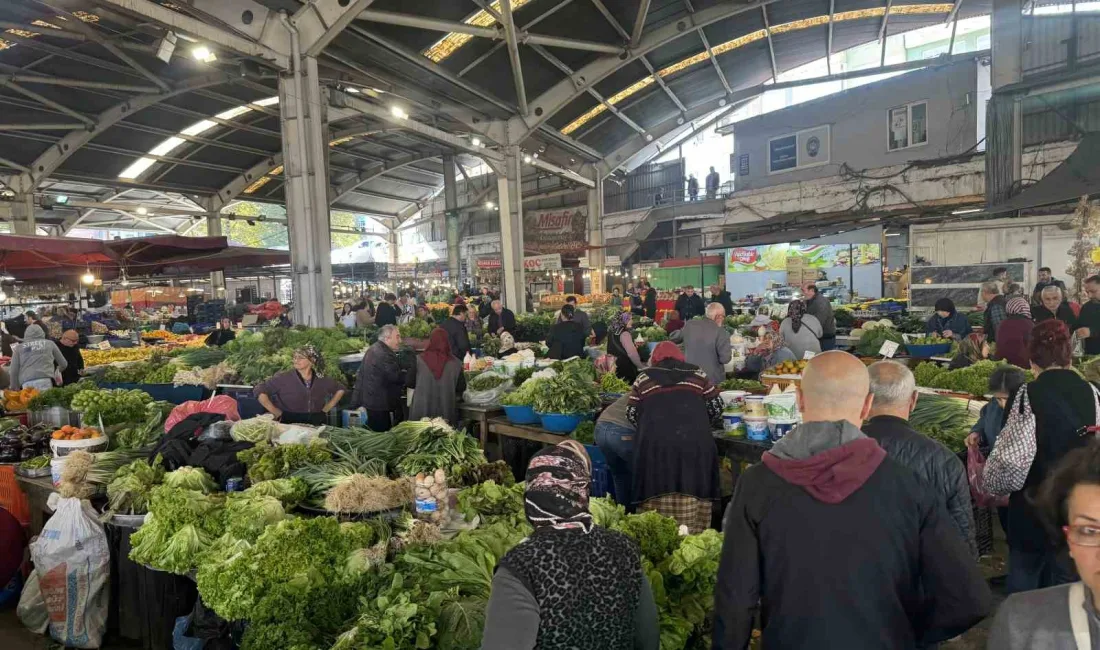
{"type": "Point", "coordinates": [853, 551]}
{"type": "Point", "coordinates": [70, 349]}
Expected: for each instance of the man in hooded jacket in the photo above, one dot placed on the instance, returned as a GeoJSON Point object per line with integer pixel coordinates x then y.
{"type": "Point", "coordinates": [33, 364]}
{"type": "Point", "coordinates": [834, 544]}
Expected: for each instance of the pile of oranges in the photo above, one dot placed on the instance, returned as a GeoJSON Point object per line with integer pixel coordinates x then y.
{"type": "Point", "coordinates": [69, 432]}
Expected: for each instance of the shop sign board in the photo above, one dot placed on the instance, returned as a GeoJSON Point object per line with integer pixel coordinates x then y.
{"type": "Point", "coordinates": [805, 148]}
{"type": "Point", "coordinates": [542, 263]}
{"type": "Point", "coordinates": [563, 231]}
{"type": "Point", "coordinates": [489, 263]}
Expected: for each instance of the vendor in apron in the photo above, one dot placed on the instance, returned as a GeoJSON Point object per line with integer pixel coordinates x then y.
{"type": "Point", "coordinates": [303, 395]}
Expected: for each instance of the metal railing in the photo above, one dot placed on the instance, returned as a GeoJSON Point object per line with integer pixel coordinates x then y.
{"type": "Point", "coordinates": [663, 195]}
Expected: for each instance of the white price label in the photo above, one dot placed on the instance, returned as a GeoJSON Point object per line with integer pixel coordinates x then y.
{"type": "Point", "coordinates": [809, 354]}
{"type": "Point", "coordinates": [103, 345]}
{"type": "Point", "coordinates": [888, 349]}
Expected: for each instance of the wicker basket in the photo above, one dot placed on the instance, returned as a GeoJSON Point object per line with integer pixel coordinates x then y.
{"type": "Point", "coordinates": [780, 380]}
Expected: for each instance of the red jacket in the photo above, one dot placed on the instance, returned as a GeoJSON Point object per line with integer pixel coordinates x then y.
{"type": "Point", "coordinates": [1016, 331]}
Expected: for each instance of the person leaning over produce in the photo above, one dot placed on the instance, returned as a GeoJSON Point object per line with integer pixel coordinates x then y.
{"type": "Point", "coordinates": [1063, 617]}
{"type": "Point", "coordinates": [1052, 304]}
{"type": "Point", "coordinates": [614, 434]}
{"type": "Point", "coordinates": [381, 381]}
{"type": "Point", "coordinates": [1014, 334]}
{"type": "Point", "coordinates": [501, 319]}
{"type": "Point", "coordinates": [707, 344]}
{"type": "Point", "coordinates": [817, 305]}
{"type": "Point", "coordinates": [1088, 321]}
{"type": "Point", "coordinates": [936, 467]}
{"type": "Point", "coordinates": [571, 584]}
{"type": "Point", "coordinates": [301, 395]}
{"type": "Point", "coordinates": [673, 322]}
{"type": "Point", "coordinates": [674, 408]}
{"type": "Point", "coordinates": [620, 344]}
{"type": "Point", "coordinates": [566, 338]}
{"type": "Point", "coordinates": [458, 335]}
{"type": "Point", "coordinates": [947, 322]}
{"type": "Point", "coordinates": [1004, 381]}
{"type": "Point", "coordinates": [1044, 423]}
{"type": "Point", "coordinates": [33, 361]}
{"type": "Point", "coordinates": [438, 380]}
{"type": "Point", "coordinates": [804, 522]}
{"type": "Point", "coordinates": [68, 344]}
{"type": "Point", "coordinates": [770, 351]}
{"type": "Point", "coordinates": [994, 309]}
{"type": "Point", "coordinates": [222, 335]}
{"type": "Point", "coordinates": [972, 349]}
{"type": "Point", "coordinates": [801, 331]}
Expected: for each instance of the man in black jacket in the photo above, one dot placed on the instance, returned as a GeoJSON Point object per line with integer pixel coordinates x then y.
{"type": "Point", "coordinates": [835, 544]}
{"type": "Point", "coordinates": [722, 297]}
{"type": "Point", "coordinates": [939, 470]}
{"type": "Point", "coordinates": [387, 312]}
{"type": "Point", "coordinates": [502, 320]}
{"type": "Point", "coordinates": [650, 301]}
{"type": "Point", "coordinates": [690, 304]}
{"type": "Point", "coordinates": [381, 381]}
{"type": "Point", "coordinates": [455, 326]}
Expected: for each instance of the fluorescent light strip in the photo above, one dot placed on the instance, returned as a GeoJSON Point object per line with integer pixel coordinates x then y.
{"type": "Point", "coordinates": [721, 48]}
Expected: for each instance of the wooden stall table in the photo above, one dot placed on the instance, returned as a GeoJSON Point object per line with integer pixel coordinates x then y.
{"type": "Point", "coordinates": [481, 415]}
{"type": "Point", "coordinates": [502, 427]}
{"type": "Point", "coordinates": [38, 490]}
{"type": "Point", "coordinates": [740, 449]}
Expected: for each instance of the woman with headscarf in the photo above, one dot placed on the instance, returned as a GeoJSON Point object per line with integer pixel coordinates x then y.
{"type": "Point", "coordinates": [301, 395]}
{"type": "Point", "coordinates": [947, 322]}
{"type": "Point", "coordinates": [438, 380]}
{"type": "Point", "coordinates": [571, 583]}
{"type": "Point", "coordinates": [801, 331]}
{"type": "Point", "coordinates": [972, 349]}
{"type": "Point", "coordinates": [620, 344]}
{"type": "Point", "coordinates": [675, 409]}
{"type": "Point", "coordinates": [507, 345]}
{"type": "Point", "coordinates": [1016, 329]}
{"type": "Point", "coordinates": [771, 351]}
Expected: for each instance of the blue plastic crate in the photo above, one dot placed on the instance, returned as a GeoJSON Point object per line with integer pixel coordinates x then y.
{"type": "Point", "coordinates": [602, 485]}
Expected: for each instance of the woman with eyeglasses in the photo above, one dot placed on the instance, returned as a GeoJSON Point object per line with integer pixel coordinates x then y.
{"type": "Point", "coordinates": [1063, 617]}
{"type": "Point", "coordinates": [1046, 420]}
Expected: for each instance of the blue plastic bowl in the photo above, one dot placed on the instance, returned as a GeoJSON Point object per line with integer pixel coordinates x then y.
{"type": "Point", "coordinates": [925, 351]}
{"type": "Point", "coordinates": [561, 422]}
{"type": "Point", "coordinates": [521, 414]}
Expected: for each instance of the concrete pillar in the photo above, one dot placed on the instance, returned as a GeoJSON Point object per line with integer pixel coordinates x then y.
{"type": "Point", "coordinates": [450, 203]}
{"type": "Point", "coordinates": [596, 253]}
{"type": "Point", "coordinates": [1006, 67]}
{"type": "Point", "coordinates": [510, 198]}
{"type": "Point", "coordinates": [23, 221]}
{"type": "Point", "coordinates": [302, 109]}
{"type": "Point", "coordinates": [217, 278]}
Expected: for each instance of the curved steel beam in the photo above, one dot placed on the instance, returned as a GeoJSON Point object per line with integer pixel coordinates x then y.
{"type": "Point", "coordinates": [347, 187]}
{"type": "Point", "coordinates": [235, 187]}
{"type": "Point", "coordinates": [565, 91]}
{"type": "Point", "coordinates": [50, 160]}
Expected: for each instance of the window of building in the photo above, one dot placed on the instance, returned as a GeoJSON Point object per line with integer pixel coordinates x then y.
{"type": "Point", "coordinates": [907, 126]}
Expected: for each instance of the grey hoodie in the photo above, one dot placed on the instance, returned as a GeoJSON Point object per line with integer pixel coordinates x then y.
{"type": "Point", "coordinates": [35, 357]}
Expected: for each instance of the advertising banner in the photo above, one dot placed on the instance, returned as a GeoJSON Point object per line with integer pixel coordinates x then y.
{"type": "Point", "coordinates": [779, 257]}
{"type": "Point", "coordinates": [563, 231]}
{"type": "Point", "coordinates": [542, 263]}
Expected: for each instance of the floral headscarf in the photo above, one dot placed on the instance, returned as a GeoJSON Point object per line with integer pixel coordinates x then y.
{"type": "Point", "coordinates": [618, 324]}
{"type": "Point", "coordinates": [794, 312]}
{"type": "Point", "coordinates": [507, 341]}
{"type": "Point", "coordinates": [315, 358]}
{"type": "Point", "coordinates": [557, 488]}
{"type": "Point", "coordinates": [769, 343]}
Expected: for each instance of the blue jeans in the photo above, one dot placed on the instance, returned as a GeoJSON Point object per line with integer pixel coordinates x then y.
{"type": "Point", "coordinates": [828, 343]}
{"type": "Point", "coordinates": [617, 444]}
{"type": "Point", "coordinates": [1029, 570]}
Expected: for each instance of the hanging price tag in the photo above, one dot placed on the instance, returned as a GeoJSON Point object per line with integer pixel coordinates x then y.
{"type": "Point", "coordinates": [809, 354]}
{"type": "Point", "coordinates": [103, 345]}
{"type": "Point", "coordinates": [888, 349]}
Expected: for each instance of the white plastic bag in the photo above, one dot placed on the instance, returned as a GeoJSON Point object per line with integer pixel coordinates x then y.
{"type": "Point", "coordinates": [32, 607]}
{"type": "Point", "coordinates": [73, 565]}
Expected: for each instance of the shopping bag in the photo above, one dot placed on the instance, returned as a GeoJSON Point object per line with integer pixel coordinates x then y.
{"type": "Point", "coordinates": [32, 607]}
{"type": "Point", "coordinates": [975, 465]}
{"type": "Point", "coordinates": [73, 564]}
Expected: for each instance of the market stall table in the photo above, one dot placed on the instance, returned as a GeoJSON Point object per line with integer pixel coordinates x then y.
{"type": "Point", "coordinates": [480, 415]}
{"type": "Point", "coordinates": [38, 491]}
{"type": "Point", "coordinates": [502, 427]}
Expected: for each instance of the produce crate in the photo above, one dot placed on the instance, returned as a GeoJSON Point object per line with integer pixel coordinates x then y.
{"type": "Point", "coordinates": [12, 498]}
{"type": "Point", "coordinates": [780, 380]}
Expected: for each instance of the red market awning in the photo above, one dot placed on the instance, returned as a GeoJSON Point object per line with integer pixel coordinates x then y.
{"type": "Point", "coordinates": [153, 251]}
{"type": "Point", "coordinates": [27, 257]}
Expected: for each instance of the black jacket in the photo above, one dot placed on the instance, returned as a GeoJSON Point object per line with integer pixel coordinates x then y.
{"type": "Point", "coordinates": [723, 298]}
{"type": "Point", "coordinates": [650, 303]}
{"type": "Point", "coordinates": [1040, 313]}
{"type": "Point", "coordinates": [690, 306]}
{"type": "Point", "coordinates": [71, 373]}
{"type": "Point", "coordinates": [386, 315]}
{"type": "Point", "coordinates": [457, 335]}
{"type": "Point", "coordinates": [380, 381]}
{"type": "Point", "coordinates": [506, 319]}
{"type": "Point", "coordinates": [566, 340]}
{"type": "Point", "coordinates": [218, 337]}
{"type": "Point", "coordinates": [884, 568]}
{"type": "Point", "coordinates": [935, 466]}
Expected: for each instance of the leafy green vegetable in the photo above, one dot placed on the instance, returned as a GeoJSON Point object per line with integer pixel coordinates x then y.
{"type": "Point", "coordinates": [522, 374]}
{"type": "Point", "coordinates": [490, 345]}
{"type": "Point", "coordinates": [585, 433]}
{"type": "Point", "coordinates": [61, 396]}
{"type": "Point", "coordinates": [417, 328]}
{"type": "Point", "coordinates": [487, 381]}
{"type": "Point", "coordinates": [266, 462]}
{"type": "Point", "coordinates": [569, 392]}
{"type": "Point", "coordinates": [190, 478]}
{"type": "Point", "coordinates": [742, 384]}
{"type": "Point", "coordinates": [657, 536]}
{"type": "Point", "coordinates": [492, 503]}
{"type": "Point", "coordinates": [290, 491]}
{"type": "Point", "coordinates": [610, 383]}
{"type": "Point", "coordinates": [942, 418]}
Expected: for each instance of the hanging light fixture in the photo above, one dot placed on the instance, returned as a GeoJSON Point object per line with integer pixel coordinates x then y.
{"type": "Point", "coordinates": [87, 278]}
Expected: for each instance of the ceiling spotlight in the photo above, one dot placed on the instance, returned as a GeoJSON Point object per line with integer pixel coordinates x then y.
{"type": "Point", "coordinates": [476, 141]}
{"type": "Point", "coordinates": [535, 155]}
{"type": "Point", "coordinates": [649, 137]}
{"type": "Point", "coordinates": [489, 205]}
{"type": "Point", "coordinates": [398, 112]}
{"type": "Point", "coordinates": [142, 210]}
{"type": "Point", "coordinates": [87, 278]}
{"type": "Point", "coordinates": [203, 54]}
{"type": "Point", "coordinates": [352, 89]}
{"type": "Point", "coordinates": [527, 159]}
